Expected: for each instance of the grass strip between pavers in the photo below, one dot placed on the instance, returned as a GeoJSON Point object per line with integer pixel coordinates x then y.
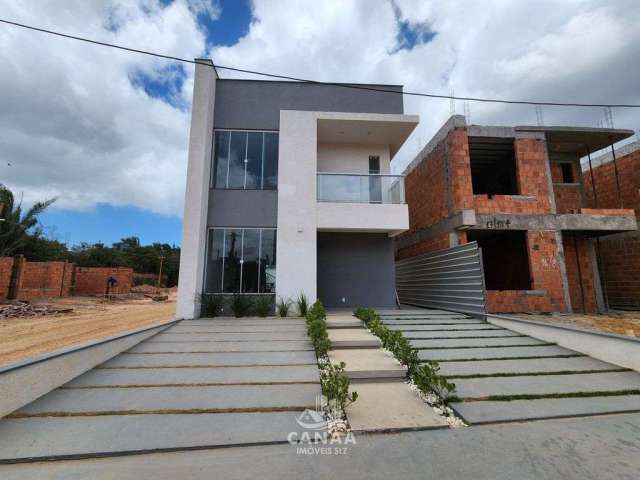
{"type": "Point", "coordinates": [545, 396]}
{"type": "Point", "coordinates": [535, 374]}
{"type": "Point", "coordinates": [480, 359]}
{"type": "Point", "coordinates": [168, 411]}
{"type": "Point", "coordinates": [483, 346]}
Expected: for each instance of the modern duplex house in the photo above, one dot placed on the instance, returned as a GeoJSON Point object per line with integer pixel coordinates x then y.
{"type": "Point", "coordinates": [519, 192]}
{"type": "Point", "coordinates": [289, 191]}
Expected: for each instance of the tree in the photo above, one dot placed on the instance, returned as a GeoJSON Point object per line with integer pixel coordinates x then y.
{"type": "Point", "coordinates": [14, 224]}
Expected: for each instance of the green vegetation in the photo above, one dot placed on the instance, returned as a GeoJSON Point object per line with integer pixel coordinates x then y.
{"type": "Point", "coordinates": [240, 305]}
{"type": "Point", "coordinates": [303, 304]}
{"type": "Point", "coordinates": [210, 305]}
{"type": "Point", "coordinates": [263, 305]}
{"type": "Point", "coordinates": [424, 374]}
{"type": "Point", "coordinates": [317, 329]}
{"type": "Point", "coordinates": [283, 307]}
{"type": "Point", "coordinates": [335, 386]}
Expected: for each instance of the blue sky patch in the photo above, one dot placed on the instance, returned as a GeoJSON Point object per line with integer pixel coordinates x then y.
{"type": "Point", "coordinates": [232, 24]}
{"type": "Point", "coordinates": [410, 34]}
{"type": "Point", "coordinates": [164, 84]}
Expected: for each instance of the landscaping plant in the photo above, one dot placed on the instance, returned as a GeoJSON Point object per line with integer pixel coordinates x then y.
{"type": "Point", "coordinates": [283, 307]}
{"type": "Point", "coordinates": [263, 306]}
{"type": "Point", "coordinates": [210, 305]}
{"type": "Point", "coordinates": [240, 305]}
{"type": "Point", "coordinates": [303, 304]}
{"type": "Point", "coordinates": [335, 386]}
{"type": "Point", "coordinates": [425, 375]}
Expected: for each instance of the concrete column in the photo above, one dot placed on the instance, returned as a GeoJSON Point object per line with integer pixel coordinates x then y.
{"type": "Point", "coordinates": [296, 245]}
{"type": "Point", "coordinates": [194, 224]}
{"type": "Point", "coordinates": [562, 264]}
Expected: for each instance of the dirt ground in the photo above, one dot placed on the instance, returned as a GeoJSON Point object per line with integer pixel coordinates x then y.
{"type": "Point", "coordinates": [91, 318]}
{"type": "Point", "coordinates": [622, 323]}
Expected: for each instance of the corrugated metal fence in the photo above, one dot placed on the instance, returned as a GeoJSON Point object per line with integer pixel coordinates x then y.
{"type": "Point", "coordinates": [451, 279]}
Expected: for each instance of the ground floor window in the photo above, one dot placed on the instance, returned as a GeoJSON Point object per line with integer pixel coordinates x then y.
{"type": "Point", "coordinates": [505, 258]}
{"type": "Point", "coordinates": [241, 260]}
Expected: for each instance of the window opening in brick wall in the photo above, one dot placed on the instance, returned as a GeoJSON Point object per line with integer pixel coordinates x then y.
{"type": "Point", "coordinates": [493, 166]}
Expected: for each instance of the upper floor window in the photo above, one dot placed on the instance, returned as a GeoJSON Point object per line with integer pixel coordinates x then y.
{"type": "Point", "coordinates": [245, 160]}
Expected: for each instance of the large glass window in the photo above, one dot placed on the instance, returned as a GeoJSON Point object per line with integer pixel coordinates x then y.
{"type": "Point", "coordinates": [241, 260]}
{"type": "Point", "coordinates": [245, 160]}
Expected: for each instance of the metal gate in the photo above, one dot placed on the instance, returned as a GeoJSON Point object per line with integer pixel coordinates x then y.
{"type": "Point", "coordinates": [451, 279]}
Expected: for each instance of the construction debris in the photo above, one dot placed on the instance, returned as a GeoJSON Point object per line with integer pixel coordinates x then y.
{"type": "Point", "coordinates": [18, 310]}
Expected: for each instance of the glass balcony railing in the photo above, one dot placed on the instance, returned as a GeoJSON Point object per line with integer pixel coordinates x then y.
{"type": "Point", "coordinates": [353, 188]}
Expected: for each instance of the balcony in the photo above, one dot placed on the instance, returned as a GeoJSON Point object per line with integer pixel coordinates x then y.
{"type": "Point", "coordinates": [361, 203]}
{"type": "Point", "coordinates": [360, 188]}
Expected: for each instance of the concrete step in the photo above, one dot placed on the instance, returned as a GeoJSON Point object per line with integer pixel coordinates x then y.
{"type": "Point", "coordinates": [368, 364]}
{"type": "Point", "coordinates": [343, 321]}
{"type": "Point", "coordinates": [36, 438]}
{"type": "Point", "coordinates": [186, 376]}
{"type": "Point", "coordinates": [228, 337]}
{"type": "Point", "coordinates": [352, 338]}
{"type": "Point", "coordinates": [473, 327]}
{"type": "Point", "coordinates": [547, 384]}
{"type": "Point", "coordinates": [211, 359]}
{"type": "Point", "coordinates": [422, 321]}
{"type": "Point", "coordinates": [533, 365]}
{"type": "Point", "coordinates": [494, 352]}
{"type": "Point", "coordinates": [474, 342]}
{"type": "Point", "coordinates": [245, 321]}
{"type": "Point", "coordinates": [173, 399]}
{"type": "Point", "coordinates": [390, 406]}
{"type": "Point", "coordinates": [518, 410]}
{"type": "Point", "coordinates": [236, 328]}
{"type": "Point", "coordinates": [207, 347]}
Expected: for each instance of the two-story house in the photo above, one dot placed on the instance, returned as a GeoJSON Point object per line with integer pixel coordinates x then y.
{"type": "Point", "coordinates": [289, 191]}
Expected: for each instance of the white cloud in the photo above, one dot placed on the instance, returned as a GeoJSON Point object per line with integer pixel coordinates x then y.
{"type": "Point", "coordinates": [73, 124]}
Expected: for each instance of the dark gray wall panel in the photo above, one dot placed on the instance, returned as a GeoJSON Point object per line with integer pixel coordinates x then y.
{"type": "Point", "coordinates": [357, 266]}
{"type": "Point", "coordinates": [256, 105]}
{"type": "Point", "coordinates": [242, 208]}
{"type": "Point", "coordinates": [451, 279]}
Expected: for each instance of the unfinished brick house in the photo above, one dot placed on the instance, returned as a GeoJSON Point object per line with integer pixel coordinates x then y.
{"type": "Point", "coordinates": [519, 193]}
{"type": "Point", "coordinates": [613, 183]}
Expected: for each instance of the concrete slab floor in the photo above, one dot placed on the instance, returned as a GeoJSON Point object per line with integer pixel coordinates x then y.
{"type": "Point", "coordinates": [488, 367]}
{"type": "Point", "coordinates": [192, 347]}
{"type": "Point", "coordinates": [473, 327]}
{"type": "Point", "coordinates": [547, 384]}
{"type": "Point", "coordinates": [343, 321]}
{"type": "Point", "coordinates": [571, 449]}
{"type": "Point", "coordinates": [228, 337]}
{"type": "Point", "coordinates": [435, 321]}
{"type": "Point", "coordinates": [467, 334]}
{"type": "Point", "coordinates": [390, 405]}
{"type": "Point", "coordinates": [493, 352]}
{"type": "Point", "coordinates": [182, 376]}
{"type": "Point", "coordinates": [517, 410]}
{"type": "Point", "coordinates": [475, 342]}
{"type": "Point", "coordinates": [352, 337]}
{"type": "Point", "coordinates": [367, 363]}
{"type": "Point", "coordinates": [235, 328]}
{"type": "Point", "coordinates": [211, 359]}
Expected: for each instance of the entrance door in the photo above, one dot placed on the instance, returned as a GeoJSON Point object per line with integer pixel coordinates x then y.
{"type": "Point", "coordinates": [375, 182]}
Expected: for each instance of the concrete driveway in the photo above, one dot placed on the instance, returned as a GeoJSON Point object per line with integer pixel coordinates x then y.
{"type": "Point", "coordinates": [200, 383]}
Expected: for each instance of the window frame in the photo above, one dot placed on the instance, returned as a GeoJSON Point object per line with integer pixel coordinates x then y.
{"type": "Point", "coordinates": [213, 166]}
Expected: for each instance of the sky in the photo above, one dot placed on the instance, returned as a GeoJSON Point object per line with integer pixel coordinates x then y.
{"type": "Point", "coordinates": [106, 132]}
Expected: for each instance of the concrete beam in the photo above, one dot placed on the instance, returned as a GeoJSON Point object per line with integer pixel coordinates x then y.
{"type": "Point", "coordinates": [580, 222]}
{"type": "Point", "coordinates": [460, 220]}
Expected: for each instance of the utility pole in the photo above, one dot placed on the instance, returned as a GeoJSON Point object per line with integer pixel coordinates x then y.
{"type": "Point", "coordinates": [160, 270]}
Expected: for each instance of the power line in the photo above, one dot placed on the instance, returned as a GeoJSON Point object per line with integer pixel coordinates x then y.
{"type": "Point", "coordinates": [304, 80]}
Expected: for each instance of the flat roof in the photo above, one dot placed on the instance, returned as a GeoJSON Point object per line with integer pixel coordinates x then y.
{"type": "Point", "coordinates": [578, 139]}
{"type": "Point", "coordinates": [313, 82]}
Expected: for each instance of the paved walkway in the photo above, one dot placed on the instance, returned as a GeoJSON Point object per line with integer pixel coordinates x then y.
{"type": "Point", "coordinates": [199, 383]}
{"type": "Point", "coordinates": [502, 375]}
{"type": "Point", "coordinates": [385, 402]}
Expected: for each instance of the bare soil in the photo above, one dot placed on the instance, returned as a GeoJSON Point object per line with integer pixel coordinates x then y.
{"type": "Point", "coordinates": [622, 323]}
{"type": "Point", "coordinates": [92, 318]}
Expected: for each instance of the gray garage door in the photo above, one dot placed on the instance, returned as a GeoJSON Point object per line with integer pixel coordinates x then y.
{"type": "Point", "coordinates": [451, 279]}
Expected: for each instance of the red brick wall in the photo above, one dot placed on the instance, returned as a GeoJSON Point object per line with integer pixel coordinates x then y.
{"type": "Point", "coordinates": [460, 166]}
{"type": "Point", "coordinates": [605, 180]}
{"type": "Point", "coordinates": [45, 279]}
{"type": "Point", "coordinates": [586, 272]}
{"type": "Point", "coordinates": [547, 294]}
{"type": "Point", "coordinates": [6, 264]}
{"type": "Point", "coordinates": [568, 198]}
{"type": "Point", "coordinates": [90, 280]}
{"type": "Point", "coordinates": [439, 242]}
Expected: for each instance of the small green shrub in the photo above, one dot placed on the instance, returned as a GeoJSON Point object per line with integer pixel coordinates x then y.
{"type": "Point", "coordinates": [303, 305]}
{"type": "Point", "coordinates": [283, 307]}
{"type": "Point", "coordinates": [210, 305]}
{"type": "Point", "coordinates": [427, 379]}
{"type": "Point", "coordinates": [335, 386]}
{"type": "Point", "coordinates": [240, 305]}
{"type": "Point", "coordinates": [317, 329]}
{"type": "Point", "coordinates": [263, 306]}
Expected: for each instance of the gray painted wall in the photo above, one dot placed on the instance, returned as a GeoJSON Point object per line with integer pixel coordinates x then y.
{"type": "Point", "coordinates": [256, 105]}
{"type": "Point", "coordinates": [242, 208]}
{"type": "Point", "coordinates": [357, 266]}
